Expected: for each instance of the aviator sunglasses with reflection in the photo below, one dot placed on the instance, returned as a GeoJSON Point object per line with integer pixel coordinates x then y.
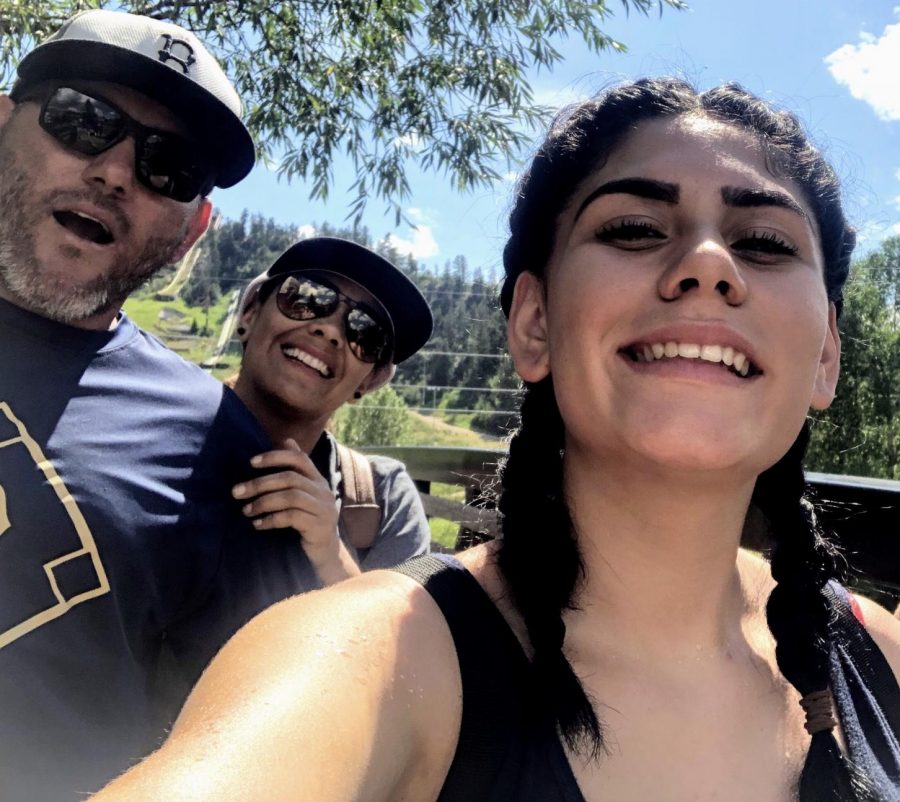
{"type": "Point", "coordinates": [164, 162]}
{"type": "Point", "coordinates": [304, 297]}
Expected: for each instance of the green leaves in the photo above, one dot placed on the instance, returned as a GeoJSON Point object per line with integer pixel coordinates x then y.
{"type": "Point", "coordinates": [394, 83]}
{"type": "Point", "coordinates": [860, 433]}
{"type": "Point", "coordinates": [380, 418]}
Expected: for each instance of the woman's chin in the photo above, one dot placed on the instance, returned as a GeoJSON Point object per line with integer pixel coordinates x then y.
{"type": "Point", "coordinates": [672, 455]}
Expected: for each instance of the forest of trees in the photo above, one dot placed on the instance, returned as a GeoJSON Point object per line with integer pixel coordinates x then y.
{"type": "Point", "coordinates": [860, 433]}
{"type": "Point", "coordinates": [463, 367]}
{"type": "Point", "coordinates": [464, 358]}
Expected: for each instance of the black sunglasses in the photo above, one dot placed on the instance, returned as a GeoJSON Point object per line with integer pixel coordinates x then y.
{"type": "Point", "coordinates": [301, 297]}
{"type": "Point", "coordinates": [165, 163]}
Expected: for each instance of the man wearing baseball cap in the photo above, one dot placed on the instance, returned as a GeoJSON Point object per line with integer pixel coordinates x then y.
{"type": "Point", "coordinates": [124, 561]}
{"type": "Point", "coordinates": [325, 325]}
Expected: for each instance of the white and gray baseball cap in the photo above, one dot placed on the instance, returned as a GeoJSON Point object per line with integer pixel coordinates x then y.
{"type": "Point", "coordinates": [162, 61]}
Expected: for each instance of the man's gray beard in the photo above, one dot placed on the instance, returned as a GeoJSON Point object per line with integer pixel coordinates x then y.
{"type": "Point", "coordinates": [43, 292]}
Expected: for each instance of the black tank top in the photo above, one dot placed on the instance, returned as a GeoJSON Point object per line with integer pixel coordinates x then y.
{"type": "Point", "coordinates": [503, 755]}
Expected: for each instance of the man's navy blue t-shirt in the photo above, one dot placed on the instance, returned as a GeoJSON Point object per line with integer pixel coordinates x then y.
{"type": "Point", "coordinates": [124, 562]}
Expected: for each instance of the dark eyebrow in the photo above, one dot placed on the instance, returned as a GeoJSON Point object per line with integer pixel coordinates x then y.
{"type": "Point", "coordinates": [641, 187]}
{"type": "Point", "coordinates": [746, 198]}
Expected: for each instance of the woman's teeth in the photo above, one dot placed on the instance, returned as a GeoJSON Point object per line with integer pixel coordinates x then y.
{"type": "Point", "coordinates": [307, 359]}
{"type": "Point", "coordinates": [725, 354]}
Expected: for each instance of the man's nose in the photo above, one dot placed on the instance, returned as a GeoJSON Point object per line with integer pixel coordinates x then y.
{"type": "Point", "coordinates": [113, 169]}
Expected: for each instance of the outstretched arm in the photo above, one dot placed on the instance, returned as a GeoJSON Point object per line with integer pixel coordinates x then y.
{"type": "Point", "coordinates": [351, 693]}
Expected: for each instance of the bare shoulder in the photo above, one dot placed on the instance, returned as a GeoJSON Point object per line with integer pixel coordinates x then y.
{"type": "Point", "coordinates": [379, 633]}
{"type": "Point", "coordinates": [368, 616]}
{"type": "Point", "coordinates": [756, 576]}
{"type": "Point", "coordinates": [348, 693]}
{"type": "Point", "coordinates": [884, 629]}
{"type": "Point", "coordinates": [881, 625]}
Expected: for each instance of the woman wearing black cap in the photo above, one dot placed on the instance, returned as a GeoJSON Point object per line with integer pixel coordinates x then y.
{"type": "Point", "coordinates": [674, 277]}
{"type": "Point", "coordinates": [323, 326]}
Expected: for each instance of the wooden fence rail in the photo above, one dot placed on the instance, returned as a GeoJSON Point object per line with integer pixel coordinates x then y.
{"type": "Point", "coordinates": [863, 513]}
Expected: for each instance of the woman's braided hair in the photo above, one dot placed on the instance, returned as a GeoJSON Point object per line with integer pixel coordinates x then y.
{"type": "Point", "coordinates": [539, 555]}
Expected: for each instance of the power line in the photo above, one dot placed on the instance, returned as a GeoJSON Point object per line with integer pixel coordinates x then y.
{"type": "Point", "coordinates": [462, 353]}
{"type": "Point", "coordinates": [428, 387]}
{"type": "Point", "coordinates": [427, 292]}
{"type": "Point", "coordinates": [456, 410]}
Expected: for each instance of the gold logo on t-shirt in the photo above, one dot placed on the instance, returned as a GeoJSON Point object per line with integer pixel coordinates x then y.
{"type": "Point", "coordinates": [53, 560]}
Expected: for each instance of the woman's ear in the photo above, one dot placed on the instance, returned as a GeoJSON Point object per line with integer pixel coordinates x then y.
{"type": "Point", "coordinates": [829, 364]}
{"type": "Point", "coordinates": [245, 323]}
{"type": "Point", "coordinates": [377, 378]}
{"type": "Point", "coordinates": [526, 331]}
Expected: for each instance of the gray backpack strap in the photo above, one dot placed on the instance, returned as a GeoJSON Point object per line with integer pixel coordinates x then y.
{"type": "Point", "coordinates": [360, 512]}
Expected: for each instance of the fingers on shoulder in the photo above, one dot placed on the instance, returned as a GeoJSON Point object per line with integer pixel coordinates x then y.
{"type": "Point", "coordinates": [292, 458]}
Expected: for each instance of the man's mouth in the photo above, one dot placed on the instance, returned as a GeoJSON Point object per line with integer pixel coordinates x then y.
{"type": "Point", "coordinates": [735, 361]}
{"type": "Point", "coordinates": [297, 355]}
{"type": "Point", "coordinates": [84, 226]}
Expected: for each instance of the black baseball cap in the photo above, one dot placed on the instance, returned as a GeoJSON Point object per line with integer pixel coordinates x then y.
{"type": "Point", "coordinates": [161, 60]}
{"type": "Point", "coordinates": [407, 308]}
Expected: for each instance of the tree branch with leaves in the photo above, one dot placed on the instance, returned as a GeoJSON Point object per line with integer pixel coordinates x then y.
{"type": "Point", "coordinates": [439, 85]}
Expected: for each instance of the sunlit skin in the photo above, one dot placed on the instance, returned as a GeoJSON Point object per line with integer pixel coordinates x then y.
{"type": "Point", "coordinates": [607, 289]}
{"type": "Point", "coordinates": [294, 403]}
{"type": "Point", "coordinates": [669, 633]}
{"type": "Point", "coordinates": [661, 457]}
{"type": "Point", "coordinates": [103, 186]}
{"type": "Point", "coordinates": [289, 398]}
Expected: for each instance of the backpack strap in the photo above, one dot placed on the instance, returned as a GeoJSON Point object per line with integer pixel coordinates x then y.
{"type": "Point", "coordinates": [360, 512]}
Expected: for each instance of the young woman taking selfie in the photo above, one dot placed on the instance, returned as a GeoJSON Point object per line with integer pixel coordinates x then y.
{"type": "Point", "coordinates": [674, 277]}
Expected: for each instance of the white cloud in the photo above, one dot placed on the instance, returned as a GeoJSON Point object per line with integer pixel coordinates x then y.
{"type": "Point", "coordinates": [870, 69]}
{"type": "Point", "coordinates": [306, 231]}
{"type": "Point", "coordinates": [510, 178]}
{"type": "Point", "coordinates": [872, 232]}
{"type": "Point", "coordinates": [421, 243]}
{"type": "Point", "coordinates": [410, 141]}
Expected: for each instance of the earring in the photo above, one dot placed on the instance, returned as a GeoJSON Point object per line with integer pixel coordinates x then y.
{"type": "Point", "coordinates": [357, 395]}
{"type": "Point", "coordinates": [241, 331]}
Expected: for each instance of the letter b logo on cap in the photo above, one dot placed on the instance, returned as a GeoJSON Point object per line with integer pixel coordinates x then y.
{"type": "Point", "coordinates": [176, 50]}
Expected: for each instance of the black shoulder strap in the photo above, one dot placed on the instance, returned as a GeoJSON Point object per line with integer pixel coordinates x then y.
{"type": "Point", "coordinates": [868, 660]}
{"type": "Point", "coordinates": [867, 697]}
{"type": "Point", "coordinates": [493, 669]}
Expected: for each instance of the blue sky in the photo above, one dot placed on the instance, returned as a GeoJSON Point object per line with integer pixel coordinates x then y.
{"type": "Point", "coordinates": [834, 62]}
